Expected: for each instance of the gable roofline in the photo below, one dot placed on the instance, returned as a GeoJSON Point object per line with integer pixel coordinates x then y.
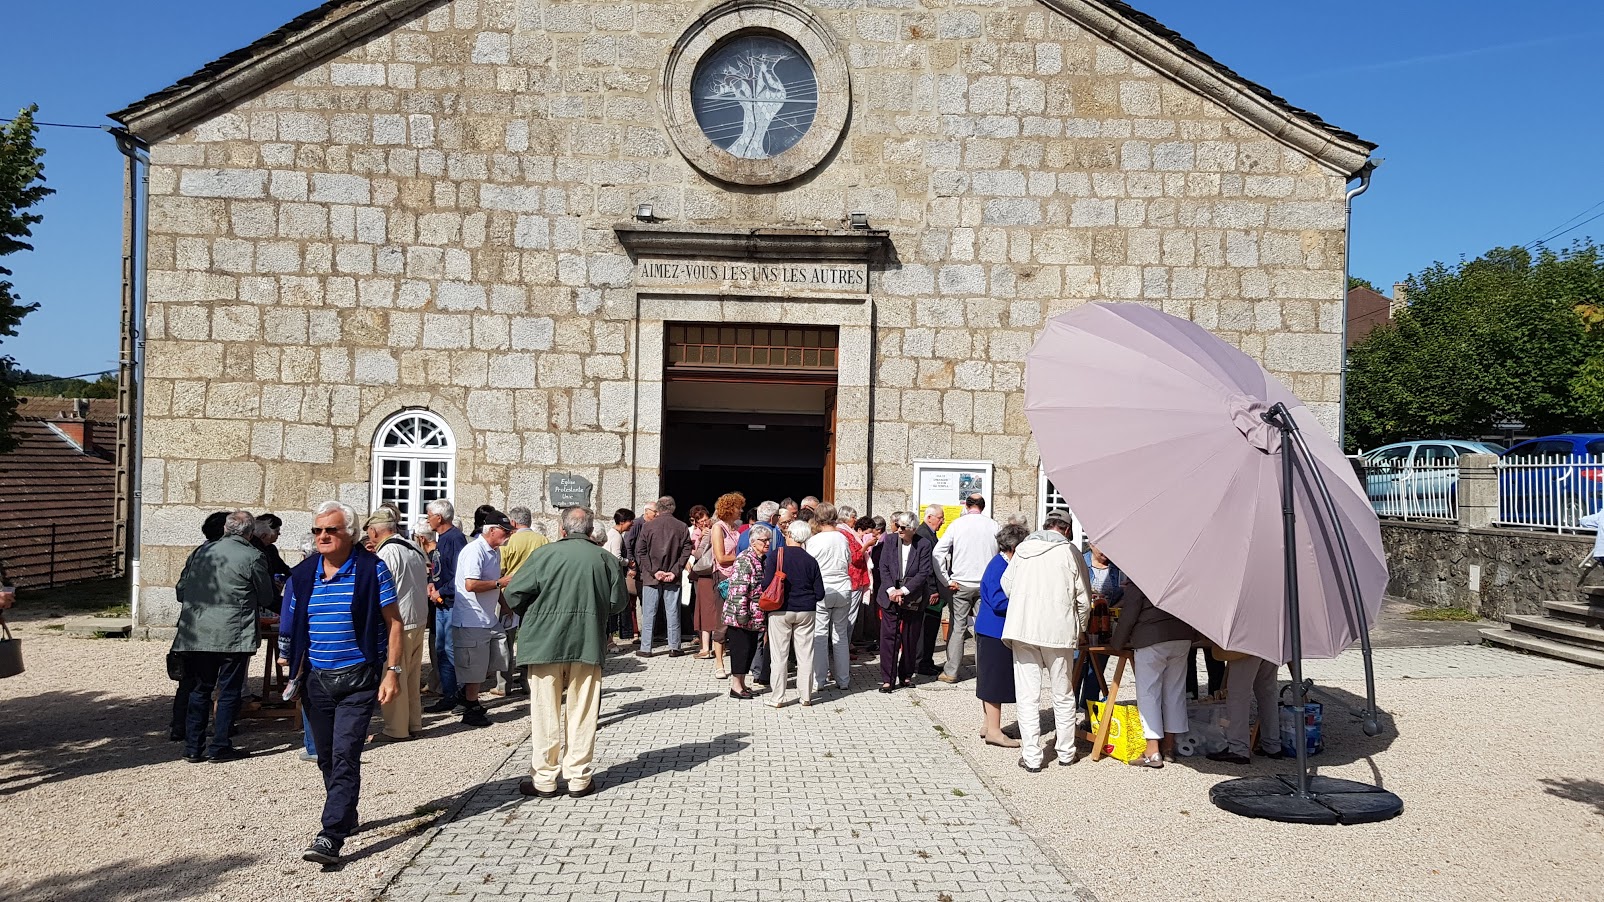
{"type": "Point", "coordinates": [1166, 51]}
{"type": "Point", "coordinates": [305, 41]}
{"type": "Point", "coordinates": [336, 26]}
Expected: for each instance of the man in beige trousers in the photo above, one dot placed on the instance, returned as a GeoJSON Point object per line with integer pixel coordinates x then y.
{"type": "Point", "coordinates": [403, 714]}
{"type": "Point", "coordinates": [564, 593]}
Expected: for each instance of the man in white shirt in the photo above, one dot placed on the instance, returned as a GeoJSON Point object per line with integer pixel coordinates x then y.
{"type": "Point", "coordinates": [963, 553]}
{"type": "Point", "coordinates": [403, 714]}
{"type": "Point", "coordinates": [479, 641]}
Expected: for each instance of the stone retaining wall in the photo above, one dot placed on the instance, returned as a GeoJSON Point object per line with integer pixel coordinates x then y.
{"type": "Point", "coordinates": [1494, 572]}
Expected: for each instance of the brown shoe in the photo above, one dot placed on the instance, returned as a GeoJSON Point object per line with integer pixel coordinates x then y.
{"type": "Point", "coordinates": [947, 679]}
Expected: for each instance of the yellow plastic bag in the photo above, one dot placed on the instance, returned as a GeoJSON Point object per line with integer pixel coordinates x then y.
{"type": "Point", "coordinates": [1125, 739]}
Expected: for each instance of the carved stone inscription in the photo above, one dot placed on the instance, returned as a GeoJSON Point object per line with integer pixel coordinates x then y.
{"type": "Point", "coordinates": [827, 277]}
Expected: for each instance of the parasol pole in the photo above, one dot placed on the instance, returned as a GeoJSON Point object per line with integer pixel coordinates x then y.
{"type": "Point", "coordinates": [1279, 417]}
{"type": "Point", "coordinates": [1371, 714]}
{"type": "Point", "coordinates": [1322, 800]}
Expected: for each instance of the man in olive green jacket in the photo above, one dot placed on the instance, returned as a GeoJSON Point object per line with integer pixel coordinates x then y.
{"type": "Point", "coordinates": [221, 593]}
{"type": "Point", "coordinates": [565, 591]}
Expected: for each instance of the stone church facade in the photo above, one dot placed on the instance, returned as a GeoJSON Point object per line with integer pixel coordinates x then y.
{"type": "Point", "coordinates": [405, 248]}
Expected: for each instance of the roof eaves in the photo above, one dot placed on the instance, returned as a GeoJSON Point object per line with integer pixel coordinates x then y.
{"type": "Point", "coordinates": [1168, 52]}
{"type": "Point", "coordinates": [308, 39]}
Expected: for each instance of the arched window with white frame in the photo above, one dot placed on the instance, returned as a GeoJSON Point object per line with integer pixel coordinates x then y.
{"type": "Point", "coordinates": [414, 463]}
{"type": "Point", "coordinates": [1048, 498]}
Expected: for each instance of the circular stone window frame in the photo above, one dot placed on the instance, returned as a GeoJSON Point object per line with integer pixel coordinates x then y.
{"type": "Point", "coordinates": [791, 24]}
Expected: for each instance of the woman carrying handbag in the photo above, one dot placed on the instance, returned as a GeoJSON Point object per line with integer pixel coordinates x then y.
{"type": "Point", "coordinates": [791, 617]}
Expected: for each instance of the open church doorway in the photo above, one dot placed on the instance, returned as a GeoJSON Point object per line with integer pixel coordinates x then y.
{"type": "Point", "coordinates": [749, 409]}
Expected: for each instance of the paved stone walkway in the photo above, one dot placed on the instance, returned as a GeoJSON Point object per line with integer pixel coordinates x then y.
{"type": "Point", "coordinates": [1435, 663]}
{"type": "Point", "coordinates": [860, 797]}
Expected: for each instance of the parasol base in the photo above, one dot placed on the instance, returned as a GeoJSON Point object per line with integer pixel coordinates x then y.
{"type": "Point", "coordinates": [1330, 800]}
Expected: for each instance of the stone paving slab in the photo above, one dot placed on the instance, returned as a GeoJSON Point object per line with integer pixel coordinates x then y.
{"type": "Point", "coordinates": [703, 797]}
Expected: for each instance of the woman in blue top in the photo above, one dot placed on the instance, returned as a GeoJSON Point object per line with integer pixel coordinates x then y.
{"type": "Point", "coordinates": [994, 662]}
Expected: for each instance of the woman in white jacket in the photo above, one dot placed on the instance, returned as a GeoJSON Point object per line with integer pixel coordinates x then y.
{"type": "Point", "coordinates": [1049, 602]}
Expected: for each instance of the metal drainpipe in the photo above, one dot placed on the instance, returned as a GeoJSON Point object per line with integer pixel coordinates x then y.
{"type": "Point", "coordinates": [1347, 273]}
{"type": "Point", "coordinates": [138, 249]}
{"type": "Point", "coordinates": [634, 422]}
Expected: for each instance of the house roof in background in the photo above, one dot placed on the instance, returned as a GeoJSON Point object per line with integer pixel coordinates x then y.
{"type": "Point", "coordinates": [336, 26]}
{"type": "Point", "coordinates": [100, 410]}
{"type": "Point", "coordinates": [60, 506]}
{"type": "Point", "coordinates": [1366, 310]}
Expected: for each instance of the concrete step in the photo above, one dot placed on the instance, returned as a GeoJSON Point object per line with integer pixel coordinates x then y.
{"type": "Point", "coordinates": [99, 627]}
{"type": "Point", "coordinates": [1576, 612]}
{"type": "Point", "coordinates": [1558, 630]}
{"type": "Point", "coordinates": [1546, 647]}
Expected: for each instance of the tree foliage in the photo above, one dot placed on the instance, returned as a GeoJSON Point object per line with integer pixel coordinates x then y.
{"type": "Point", "coordinates": [1502, 337]}
{"type": "Point", "coordinates": [22, 187]}
{"type": "Point", "coordinates": [43, 385]}
{"type": "Point", "coordinates": [1356, 282]}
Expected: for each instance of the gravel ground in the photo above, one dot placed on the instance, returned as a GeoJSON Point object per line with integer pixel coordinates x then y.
{"type": "Point", "coordinates": [98, 805]}
{"type": "Point", "coordinates": [1500, 777]}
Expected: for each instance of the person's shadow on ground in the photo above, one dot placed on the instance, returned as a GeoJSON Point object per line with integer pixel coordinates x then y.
{"type": "Point", "coordinates": [675, 758]}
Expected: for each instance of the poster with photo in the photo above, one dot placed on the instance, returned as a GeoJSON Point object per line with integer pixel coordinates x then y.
{"type": "Point", "coordinates": [948, 483]}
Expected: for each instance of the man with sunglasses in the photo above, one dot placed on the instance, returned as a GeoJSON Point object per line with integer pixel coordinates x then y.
{"type": "Point", "coordinates": [345, 630]}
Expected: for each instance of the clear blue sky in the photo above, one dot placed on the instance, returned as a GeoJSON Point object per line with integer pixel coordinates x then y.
{"type": "Point", "coordinates": [1487, 114]}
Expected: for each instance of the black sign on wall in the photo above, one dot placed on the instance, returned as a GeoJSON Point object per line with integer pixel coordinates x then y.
{"type": "Point", "coordinates": [566, 490]}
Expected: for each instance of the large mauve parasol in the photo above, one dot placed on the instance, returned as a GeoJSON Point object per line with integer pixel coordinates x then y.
{"type": "Point", "coordinates": [1152, 428]}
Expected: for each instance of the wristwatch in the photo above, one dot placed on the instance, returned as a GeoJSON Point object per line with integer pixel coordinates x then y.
{"type": "Point", "coordinates": [395, 669]}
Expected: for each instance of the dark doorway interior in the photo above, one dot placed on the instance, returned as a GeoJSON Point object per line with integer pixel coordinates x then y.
{"type": "Point", "coordinates": [702, 460]}
{"type": "Point", "coordinates": [749, 409]}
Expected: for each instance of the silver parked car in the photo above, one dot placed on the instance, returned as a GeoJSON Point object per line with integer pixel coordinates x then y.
{"type": "Point", "coordinates": [1418, 479]}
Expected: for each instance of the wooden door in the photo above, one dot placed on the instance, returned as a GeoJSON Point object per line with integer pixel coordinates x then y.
{"type": "Point", "coordinates": [829, 447]}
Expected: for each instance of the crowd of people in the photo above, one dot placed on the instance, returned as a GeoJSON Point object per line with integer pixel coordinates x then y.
{"type": "Point", "coordinates": [502, 610]}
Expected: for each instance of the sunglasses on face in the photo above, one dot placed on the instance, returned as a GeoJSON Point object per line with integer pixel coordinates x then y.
{"type": "Point", "coordinates": [327, 530]}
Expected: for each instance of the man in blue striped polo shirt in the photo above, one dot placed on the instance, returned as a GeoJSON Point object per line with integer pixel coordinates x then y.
{"type": "Point", "coordinates": [344, 629]}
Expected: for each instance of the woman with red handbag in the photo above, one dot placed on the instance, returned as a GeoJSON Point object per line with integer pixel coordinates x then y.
{"type": "Point", "coordinates": [791, 614]}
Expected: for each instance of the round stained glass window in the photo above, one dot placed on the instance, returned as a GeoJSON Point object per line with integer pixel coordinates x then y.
{"type": "Point", "coordinates": [755, 96]}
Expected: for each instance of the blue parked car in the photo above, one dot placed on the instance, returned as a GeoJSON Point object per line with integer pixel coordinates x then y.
{"type": "Point", "coordinates": [1418, 479]}
{"type": "Point", "coordinates": [1552, 481]}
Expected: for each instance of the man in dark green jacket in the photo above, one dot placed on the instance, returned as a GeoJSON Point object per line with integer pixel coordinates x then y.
{"type": "Point", "coordinates": [225, 586]}
{"type": "Point", "coordinates": [565, 591]}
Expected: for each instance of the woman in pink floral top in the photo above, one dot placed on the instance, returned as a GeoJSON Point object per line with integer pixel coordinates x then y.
{"type": "Point", "coordinates": [743, 619]}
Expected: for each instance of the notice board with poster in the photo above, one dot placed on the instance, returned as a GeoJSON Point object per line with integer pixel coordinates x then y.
{"type": "Point", "coordinates": [948, 483]}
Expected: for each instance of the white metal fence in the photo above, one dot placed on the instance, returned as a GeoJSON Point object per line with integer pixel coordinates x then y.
{"type": "Point", "coordinates": [1423, 490]}
{"type": "Point", "coordinates": [1550, 492]}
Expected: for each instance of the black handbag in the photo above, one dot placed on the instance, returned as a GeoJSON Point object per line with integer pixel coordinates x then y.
{"type": "Point", "coordinates": [175, 666]}
{"type": "Point", "coordinates": [10, 652]}
{"type": "Point", "coordinates": [338, 684]}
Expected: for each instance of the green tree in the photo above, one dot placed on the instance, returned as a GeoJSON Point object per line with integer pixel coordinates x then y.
{"type": "Point", "coordinates": [1356, 282]}
{"type": "Point", "coordinates": [40, 385]}
{"type": "Point", "coordinates": [21, 188]}
{"type": "Point", "coordinates": [1502, 337]}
